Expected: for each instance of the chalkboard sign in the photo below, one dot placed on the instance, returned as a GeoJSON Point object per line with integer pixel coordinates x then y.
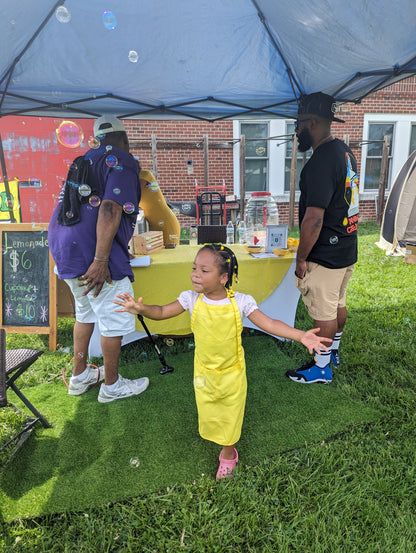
{"type": "Point", "coordinates": [28, 283]}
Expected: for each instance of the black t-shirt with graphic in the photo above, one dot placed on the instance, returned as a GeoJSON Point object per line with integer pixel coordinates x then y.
{"type": "Point", "coordinates": [329, 180]}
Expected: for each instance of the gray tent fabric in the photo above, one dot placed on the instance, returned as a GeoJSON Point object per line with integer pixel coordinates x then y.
{"type": "Point", "coordinates": [399, 219]}
{"type": "Point", "coordinates": [200, 59]}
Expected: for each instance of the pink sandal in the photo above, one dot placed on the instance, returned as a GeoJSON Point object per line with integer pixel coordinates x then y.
{"type": "Point", "coordinates": [227, 466]}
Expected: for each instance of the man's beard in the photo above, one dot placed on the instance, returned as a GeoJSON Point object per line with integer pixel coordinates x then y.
{"type": "Point", "coordinates": [304, 140]}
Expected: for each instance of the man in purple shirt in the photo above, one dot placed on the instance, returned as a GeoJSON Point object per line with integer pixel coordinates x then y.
{"type": "Point", "coordinates": [88, 237]}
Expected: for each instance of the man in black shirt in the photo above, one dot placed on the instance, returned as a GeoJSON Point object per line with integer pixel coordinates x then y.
{"type": "Point", "coordinates": [328, 217]}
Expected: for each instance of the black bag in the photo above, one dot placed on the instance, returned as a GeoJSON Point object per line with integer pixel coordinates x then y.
{"type": "Point", "coordinates": [78, 188]}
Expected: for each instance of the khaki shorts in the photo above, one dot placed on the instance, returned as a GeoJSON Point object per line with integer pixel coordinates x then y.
{"type": "Point", "coordinates": [323, 290]}
{"type": "Point", "coordinates": [102, 309]}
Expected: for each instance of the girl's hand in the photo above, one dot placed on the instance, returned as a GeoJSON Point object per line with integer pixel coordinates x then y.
{"type": "Point", "coordinates": [313, 342]}
{"type": "Point", "coordinates": [128, 304]}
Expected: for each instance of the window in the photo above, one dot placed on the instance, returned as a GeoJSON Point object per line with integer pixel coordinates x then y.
{"type": "Point", "coordinates": [302, 159]}
{"type": "Point", "coordinates": [412, 146]}
{"type": "Point", "coordinates": [377, 132]}
{"type": "Point", "coordinates": [256, 156]}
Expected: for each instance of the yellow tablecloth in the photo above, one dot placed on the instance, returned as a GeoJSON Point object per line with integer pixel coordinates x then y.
{"type": "Point", "coordinates": [169, 274]}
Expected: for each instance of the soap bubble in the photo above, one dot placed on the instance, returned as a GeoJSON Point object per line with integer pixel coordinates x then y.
{"type": "Point", "coordinates": [191, 345]}
{"type": "Point", "coordinates": [69, 214]}
{"type": "Point", "coordinates": [84, 190]}
{"type": "Point", "coordinates": [161, 223]}
{"type": "Point", "coordinates": [69, 134]}
{"type": "Point", "coordinates": [111, 161]}
{"type": "Point", "coordinates": [133, 56]}
{"type": "Point", "coordinates": [94, 201]}
{"type": "Point", "coordinates": [406, 321]}
{"type": "Point", "coordinates": [116, 191]}
{"type": "Point", "coordinates": [118, 167]}
{"type": "Point", "coordinates": [108, 147]}
{"type": "Point", "coordinates": [199, 382]}
{"type": "Point", "coordinates": [153, 186]}
{"type": "Point", "coordinates": [93, 142]}
{"type": "Point", "coordinates": [109, 20]}
{"type": "Point", "coordinates": [173, 237]}
{"type": "Point", "coordinates": [63, 15]}
{"type": "Point", "coordinates": [134, 463]}
{"type": "Point", "coordinates": [169, 342]}
{"type": "Point", "coordinates": [369, 250]}
{"type": "Point", "coordinates": [128, 208]}
{"type": "Point", "coordinates": [260, 151]}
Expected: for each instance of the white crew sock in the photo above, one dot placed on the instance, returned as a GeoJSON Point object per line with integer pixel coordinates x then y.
{"type": "Point", "coordinates": [336, 341]}
{"type": "Point", "coordinates": [82, 376]}
{"type": "Point", "coordinates": [112, 387]}
{"type": "Point", "coordinates": [322, 359]}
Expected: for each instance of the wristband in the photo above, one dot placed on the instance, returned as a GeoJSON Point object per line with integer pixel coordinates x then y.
{"type": "Point", "coordinates": [100, 259]}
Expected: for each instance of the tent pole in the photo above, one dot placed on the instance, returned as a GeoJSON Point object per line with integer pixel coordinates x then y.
{"type": "Point", "coordinates": [6, 184]}
{"type": "Point", "coordinates": [242, 175]}
{"type": "Point", "coordinates": [384, 170]}
{"type": "Point", "coordinates": [206, 161]}
{"type": "Point", "coordinates": [154, 154]}
{"type": "Point", "coordinates": [293, 173]}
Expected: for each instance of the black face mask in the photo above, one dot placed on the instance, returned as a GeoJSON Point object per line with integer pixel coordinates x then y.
{"type": "Point", "coordinates": [304, 140]}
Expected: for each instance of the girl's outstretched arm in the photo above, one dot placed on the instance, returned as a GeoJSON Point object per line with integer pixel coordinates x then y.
{"type": "Point", "coordinates": [155, 312]}
{"type": "Point", "coordinates": [309, 339]}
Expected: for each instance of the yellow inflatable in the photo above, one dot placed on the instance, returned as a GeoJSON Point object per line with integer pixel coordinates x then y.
{"type": "Point", "coordinates": [156, 210]}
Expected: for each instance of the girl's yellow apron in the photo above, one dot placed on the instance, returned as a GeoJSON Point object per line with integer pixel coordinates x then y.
{"type": "Point", "coordinates": [219, 371]}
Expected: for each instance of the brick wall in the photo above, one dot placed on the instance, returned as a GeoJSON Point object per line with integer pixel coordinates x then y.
{"type": "Point", "coordinates": [179, 141]}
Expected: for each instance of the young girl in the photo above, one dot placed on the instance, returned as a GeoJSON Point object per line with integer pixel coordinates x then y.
{"type": "Point", "coordinates": [219, 367]}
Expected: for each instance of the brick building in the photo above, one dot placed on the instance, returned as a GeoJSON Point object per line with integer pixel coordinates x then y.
{"type": "Point", "coordinates": [180, 152]}
{"type": "Point", "coordinates": [34, 155]}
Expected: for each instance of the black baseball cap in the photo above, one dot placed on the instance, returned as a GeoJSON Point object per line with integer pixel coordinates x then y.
{"type": "Point", "coordinates": [320, 104]}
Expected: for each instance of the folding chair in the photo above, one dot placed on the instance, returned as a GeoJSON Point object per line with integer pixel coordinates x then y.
{"type": "Point", "coordinates": [13, 363]}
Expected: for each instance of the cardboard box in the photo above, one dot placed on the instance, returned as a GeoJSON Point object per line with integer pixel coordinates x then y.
{"type": "Point", "coordinates": [410, 254]}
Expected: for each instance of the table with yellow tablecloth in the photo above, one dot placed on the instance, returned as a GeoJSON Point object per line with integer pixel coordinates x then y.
{"type": "Point", "coordinates": [269, 280]}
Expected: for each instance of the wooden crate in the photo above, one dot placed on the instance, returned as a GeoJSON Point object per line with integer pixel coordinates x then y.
{"type": "Point", "coordinates": [147, 242]}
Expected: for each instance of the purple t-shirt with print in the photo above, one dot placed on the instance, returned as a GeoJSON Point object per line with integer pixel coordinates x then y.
{"type": "Point", "coordinates": [73, 247]}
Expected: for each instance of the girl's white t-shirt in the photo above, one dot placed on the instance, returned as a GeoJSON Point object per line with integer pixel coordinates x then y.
{"type": "Point", "coordinates": [246, 303]}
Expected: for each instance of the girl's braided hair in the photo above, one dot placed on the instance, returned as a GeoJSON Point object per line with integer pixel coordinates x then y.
{"type": "Point", "coordinates": [226, 261]}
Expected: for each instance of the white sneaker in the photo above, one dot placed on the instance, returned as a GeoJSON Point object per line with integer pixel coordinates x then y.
{"type": "Point", "coordinates": [125, 388]}
{"type": "Point", "coordinates": [76, 388]}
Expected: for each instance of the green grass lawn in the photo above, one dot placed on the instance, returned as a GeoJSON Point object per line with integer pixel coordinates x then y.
{"type": "Point", "coordinates": [353, 492]}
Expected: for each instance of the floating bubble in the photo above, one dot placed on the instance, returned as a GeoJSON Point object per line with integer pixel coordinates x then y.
{"type": "Point", "coordinates": [74, 184]}
{"type": "Point", "coordinates": [406, 321]}
{"type": "Point", "coordinates": [63, 15]}
{"type": "Point", "coordinates": [161, 223]}
{"type": "Point", "coordinates": [69, 214]}
{"type": "Point", "coordinates": [251, 331]}
{"type": "Point", "coordinates": [369, 250]}
{"type": "Point", "coordinates": [108, 147]}
{"type": "Point", "coordinates": [260, 151]}
{"type": "Point", "coordinates": [118, 167]}
{"type": "Point", "coordinates": [173, 237]}
{"type": "Point", "coordinates": [176, 211]}
{"type": "Point", "coordinates": [128, 208]}
{"type": "Point", "coordinates": [69, 134]}
{"type": "Point", "coordinates": [94, 201]}
{"type": "Point", "coordinates": [169, 342]}
{"type": "Point", "coordinates": [153, 186]}
{"type": "Point", "coordinates": [144, 353]}
{"type": "Point", "coordinates": [133, 56]}
{"type": "Point", "coordinates": [199, 382]}
{"type": "Point", "coordinates": [84, 190]}
{"type": "Point", "coordinates": [93, 142]}
{"type": "Point", "coordinates": [191, 345]}
{"type": "Point", "coordinates": [116, 191]}
{"type": "Point", "coordinates": [109, 20]}
{"type": "Point", "coordinates": [111, 161]}
{"type": "Point", "coordinates": [134, 463]}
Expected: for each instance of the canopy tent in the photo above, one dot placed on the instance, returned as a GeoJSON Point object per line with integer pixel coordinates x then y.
{"type": "Point", "coordinates": [399, 219]}
{"type": "Point", "coordinates": [202, 59]}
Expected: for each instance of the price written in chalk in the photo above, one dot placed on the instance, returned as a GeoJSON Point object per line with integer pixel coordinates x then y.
{"type": "Point", "coordinates": [16, 259]}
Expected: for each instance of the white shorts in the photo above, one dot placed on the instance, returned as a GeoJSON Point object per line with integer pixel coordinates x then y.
{"type": "Point", "coordinates": [102, 309]}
